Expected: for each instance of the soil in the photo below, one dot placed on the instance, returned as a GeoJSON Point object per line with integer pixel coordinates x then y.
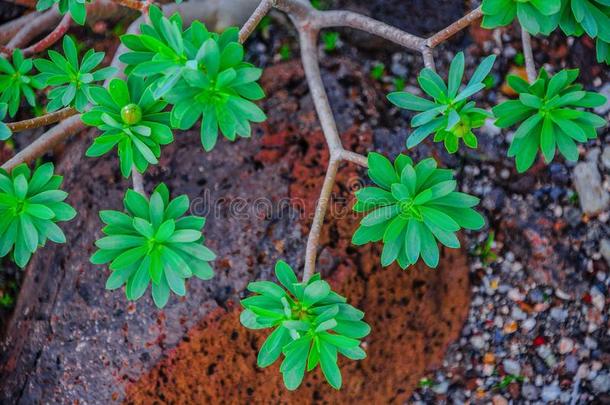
{"type": "Point", "coordinates": [71, 340]}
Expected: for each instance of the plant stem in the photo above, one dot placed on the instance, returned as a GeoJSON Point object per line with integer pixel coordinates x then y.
{"type": "Point", "coordinates": [428, 56]}
{"type": "Point", "coordinates": [313, 240]}
{"type": "Point", "coordinates": [34, 28]}
{"type": "Point", "coordinates": [41, 121]}
{"type": "Point", "coordinates": [248, 28]}
{"type": "Point", "coordinates": [354, 158]}
{"type": "Point", "coordinates": [46, 141]}
{"type": "Point", "coordinates": [138, 181]}
{"type": "Point", "coordinates": [530, 65]}
{"type": "Point", "coordinates": [327, 19]}
{"type": "Point", "coordinates": [454, 28]}
{"type": "Point", "coordinates": [51, 38]}
{"type": "Point", "coordinates": [9, 30]}
{"type": "Point", "coordinates": [309, 55]}
{"type": "Point", "coordinates": [132, 4]}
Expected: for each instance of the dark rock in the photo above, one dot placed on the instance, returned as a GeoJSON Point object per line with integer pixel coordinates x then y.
{"type": "Point", "coordinates": [72, 341]}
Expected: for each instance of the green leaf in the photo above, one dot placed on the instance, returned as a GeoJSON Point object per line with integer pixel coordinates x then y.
{"type": "Point", "coordinates": [410, 102]}
{"type": "Point", "coordinates": [328, 362]}
{"type": "Point", "coordinates": [315, 292]}
{"type": "Point", "coordinates": [272, 348]}
{"type": "Point", "coordinates": [456, 73]}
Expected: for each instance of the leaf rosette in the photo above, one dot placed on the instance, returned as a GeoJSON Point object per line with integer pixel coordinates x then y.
{"type": "Point", "coordinates": [414, 207]}
{"type": "Point", "coordinates": [30, 206]}
{"type": "Point", "coordinates": [72, 80]}
{"type": "Point", "coordinates": [450, 115]}
{"type": "Point", "coordinates": [130, 120]}
{"type": "Point", "coordinates": [550, 113]}
{"type": "Point", "coordinates": [153, 241]}
{"type": "Point", "coordinates": [312, 325]}
{"type": "Point", "coordinates": [15, 81]}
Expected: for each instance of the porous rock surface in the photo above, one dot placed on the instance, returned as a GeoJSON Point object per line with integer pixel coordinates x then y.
{"type": "Point", "coordinates": [71, 341]}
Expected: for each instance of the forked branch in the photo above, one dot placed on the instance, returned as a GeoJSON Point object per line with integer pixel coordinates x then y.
{"type": "Point", "coordinates": [308, 22]}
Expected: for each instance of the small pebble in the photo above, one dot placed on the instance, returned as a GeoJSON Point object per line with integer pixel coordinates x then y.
{"type": "Point", "coordinates": [601, 383]}
{"type": "Point", "coordinates": [477, 342]}
{"type": "Point", "coordinates": [528, 325]}
{"type": "Point", "coordinates": [529, 392]}
{"type": "Point", "coordinates": [511, 367]}
{"type": "Point", "coordinates": [550, 393]}
{"type": "Point", "coordinates": [566, 345]}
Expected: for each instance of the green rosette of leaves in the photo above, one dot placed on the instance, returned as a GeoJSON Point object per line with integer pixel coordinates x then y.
{"type": "Point", "coordinates": [31, 204]}
{"type": "Point", "coordinates": [162, 49]}
{"type": "Point", "coordinates": [72, 81]}
{"type": "Point", "coordinates": [153, 241]}
{"type": "Point", "coordinates": [220, 95]}
{"type": "Point", "coordinates": [312, 326]}
{"type": "Point", "coordinates": [591, 17]}
{"type": "Point", "coordinates": [536, 16]}
{"type": "Point", "coordinates": [449, 115]}
{"type": "Point", "coordinates": [414, 207]}
{"type": "Point", "coordinates": [202, 74]}
{"type": "Point", "coordinates": [76, 8]}
{"type": "Point", "coordinates": [15, 81]}
{"type": "Point", "coordinates": [550, 113]}
{"type": "Point", "coordinates": [131, 120]}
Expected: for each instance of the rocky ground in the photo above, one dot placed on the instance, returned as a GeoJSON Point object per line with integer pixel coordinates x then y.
{"type": "Point", "coordinates": [537, 328]}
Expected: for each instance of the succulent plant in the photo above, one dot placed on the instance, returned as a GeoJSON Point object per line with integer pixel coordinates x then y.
{"type": "Point", "coordinates": [413, 207]}
{"type": "Point", "coordinates": [312, 325]}
{"type": "Point", "coordinates": [30, 206]}
{"type": "Point", "coordinates": [153, 241]}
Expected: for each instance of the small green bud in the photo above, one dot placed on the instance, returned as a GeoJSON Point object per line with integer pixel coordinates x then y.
{"type": "Point", "coordinates": [131, 114]}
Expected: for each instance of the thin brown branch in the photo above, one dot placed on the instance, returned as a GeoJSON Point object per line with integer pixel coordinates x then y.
{"type": "Point", "coordinates": [342, 18]}
{"type": "Point", "coordinates": [138, 181]}
{"type": "Point", "coordinates": [428, 55]}
{"type": "Point", "coordinates": [41, 121]}
{"type": "Point", "coordinates": [454, 28]}
{"type": "Point", "coordinates": [311, 250]}
{"type": "Point", "coordinates": [132, 4]}
{"type": "Point", "coordinates": [530, 65]}
{"type": "Point", "coordinates": [46, 141]}
{"type": "Point", "coordinates": [309, 56]}
{"type": "Point", "coordinates": [10, 29]}
{"type": "Point", "coordinates": [248, 28]}
{"type": "Point", "coordinates": [34, 28]}
{"type": "Point", "coordinates": [24, 3]}
{"type": "Point", "coordinates": [51, 38]}
{"type": "Point", "coordinates": [354, 157]}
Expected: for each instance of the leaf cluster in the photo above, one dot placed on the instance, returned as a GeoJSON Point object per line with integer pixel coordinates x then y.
{"type": "Point", "coordinates": [591, 17]}
{"type": "Point", "coordinates": [414, 207]}
{"type": "Point", "coordinates": [153, 240]}
{"type": "Point", "coordinates": [201, 74]}
{"type": "Point", "coordinates": [76, 8]}
{"type": "Point", "coordinates": [450, 114]}
{"type": "Point", "coordinates": [72, 80]}
{"type": "Point", "coordinates": [130, 119]}
{"type": "Point", "coordinates": [30, 206]}
{"type": "Point", "coordinates": [550, 116]}
{"type": "Point", "coordinates": [536, 16]}
{"type": "Point", "coordinates": [312, 325]}
{"type": "Point", "coordinates": [574, 17]}
{"type": "Point", "coordinates": [15, 81]}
